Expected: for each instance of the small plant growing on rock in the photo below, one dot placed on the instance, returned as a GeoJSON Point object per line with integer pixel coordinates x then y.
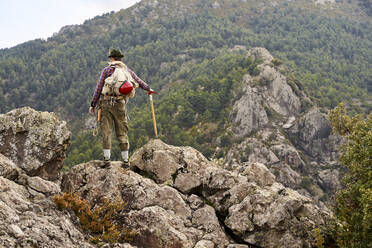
{"type": "Point", "coordinates": [99, 222]}
{"type": "Point", "coordinates": [277, 62]}
{"type": "Point", "coordinates": [264, 81]}
{"type": "Point", "coordinates": [319, 238]}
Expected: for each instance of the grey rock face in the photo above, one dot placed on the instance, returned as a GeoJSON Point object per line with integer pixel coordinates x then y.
{"type": "Point", "coordinates": [34, 141]}
{"type": "Point", "coordinates": [251, 150]}
{"type": "Point", "coordinates": [8, 169]}
{"type": "Point", "coordinates": [291, 165]}
{"type": "Point", "coordinates": [28, 218]}
{"type": "Point", "coordinates": [279, 95]}
{"type": "Point", "coordinates": [162, 216]}
{"type": "Point", "coordinates": [258, 173]}
{"type": "Point", "coordinates": [265, 94]}
{"type": "Point", "coordinates": [248, 112]}
{"type": "Point", "coordinates": [204, 244]}
{"type": "Point", "coordinates": [289, 155]}
{"type": "Point", "coordinates": [260, 53]}
{"type": "Point", "coordinates": [271, 128]}
{"type": "Point", "coordinates": [28, 214]}
{"type": "Point", "coordinates": [330, 179]}
{"type": "Point", "coordinates": [312, 133]}
{"type": "Point", "coordinates": [249, 203]}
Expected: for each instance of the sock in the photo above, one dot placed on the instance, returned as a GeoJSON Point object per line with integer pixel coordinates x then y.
{"type": "Point", "coordinates": [124, 155]}
{"type": "Point", "coordinates": [107, 153]}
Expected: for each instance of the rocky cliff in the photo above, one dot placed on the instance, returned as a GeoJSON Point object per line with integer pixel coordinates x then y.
{"type": "Point", "coordinates": [36, 141]}
{"type": "Point", "coordinates": [175, 197]}
{"type": "Point", "coordinates": [275, 123]}
{"type": "Point", "coordinates": [33, 146]}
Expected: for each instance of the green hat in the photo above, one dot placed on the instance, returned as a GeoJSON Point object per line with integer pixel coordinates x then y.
{"type": "Point", "coordinates": [115, 53]}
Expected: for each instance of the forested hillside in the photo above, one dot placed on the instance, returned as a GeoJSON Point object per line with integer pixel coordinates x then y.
{"type": "Point", "coordinates": [183, 50]}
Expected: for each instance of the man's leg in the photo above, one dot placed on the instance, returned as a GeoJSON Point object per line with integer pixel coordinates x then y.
{"type": "Point", "coordinates": [121, 129]}
{"type": "Point", "coordinates": [106, 131]}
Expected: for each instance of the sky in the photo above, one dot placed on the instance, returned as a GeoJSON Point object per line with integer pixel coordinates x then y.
{"type": "Point", "coordinates": [24, 20]}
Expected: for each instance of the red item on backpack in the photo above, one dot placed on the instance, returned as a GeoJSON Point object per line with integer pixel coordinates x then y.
{"type": "Point", "coordinates": [126, 88]}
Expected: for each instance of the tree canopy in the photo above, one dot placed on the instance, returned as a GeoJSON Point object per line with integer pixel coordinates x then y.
{"type": "Point", "coordinates": [353, 209]}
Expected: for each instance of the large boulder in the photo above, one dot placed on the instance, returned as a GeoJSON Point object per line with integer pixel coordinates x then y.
{"type": "Point", "coordinates": [33, 144]}
{"type": "Point", "coordinates": [28, 215]}
{"type": "Point", "coordinates": [165, 164]}
{"type": "Point", "coordinates": [34, 141]}
{"type": "Point", "coordinates": [177, 198]}
{"type": "Point", "coordinates": [250, 204]}
{"type": "Point", "coordinates": [312, 133]}
{"type": "Point", "coordinates": [161, 215]}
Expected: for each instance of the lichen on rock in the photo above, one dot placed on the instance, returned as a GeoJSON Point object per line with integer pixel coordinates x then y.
{"type": "Point", "coordinates": [35, 141]}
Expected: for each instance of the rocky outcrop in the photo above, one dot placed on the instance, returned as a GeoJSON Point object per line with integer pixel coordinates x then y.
{"type": "Point", "coordinates": [162, 216]}
{"type": "Point", "coordinates": [28, 215]}
{"type": "Point", "coordinates": [272, 149]}
{"type": "Point", "coordinates": [35, 141]}
{"type": "Point", "coordinates": [250, 204]}
{"type": "Point", "coordinates": [248, 113]}
{"type": "Point", "coordinates": [260, 53]}
{"type": "Point", "coordinates": [30, 219]}
{"type": "Point", "coordinates": [33, 146]}
{"type": "Point", "coordinates": [174, 197]}
{"type": "Point", "coordinates": [312, 133]}
{"type": "Point", "coordinates": [272, 126]}
{"type": "Point", "coordinates": [266, 94]}
{"type": "Point", "coordinates": [177, 198]}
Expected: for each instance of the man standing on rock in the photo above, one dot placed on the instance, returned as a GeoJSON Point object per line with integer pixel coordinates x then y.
{"type": "Point", "coordinates": [115, 86]}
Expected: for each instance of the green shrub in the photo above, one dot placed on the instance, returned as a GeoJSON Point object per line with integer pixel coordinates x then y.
{"type": "Point", "coordinates": [99, 222]}
{"type": "Point", "coordinates": [353, 210]}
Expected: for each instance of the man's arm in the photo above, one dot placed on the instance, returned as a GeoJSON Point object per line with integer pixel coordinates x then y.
{"type": "Point", "coordinates": [108, 71]}
{"type": "Point", "coordinates": [140, 82]}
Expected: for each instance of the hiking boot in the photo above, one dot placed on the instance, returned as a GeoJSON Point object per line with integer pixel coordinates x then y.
{"type": "Point", "coordinates": [106, 163]}
{"type": "Point", "coordinates": [125, 164]}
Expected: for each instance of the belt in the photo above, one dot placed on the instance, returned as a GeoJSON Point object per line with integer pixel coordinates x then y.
{"type": "Point", "coordinates": [112, 98]}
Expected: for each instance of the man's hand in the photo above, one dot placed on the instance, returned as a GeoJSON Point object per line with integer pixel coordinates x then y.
{"type": "Point", "coordinates": [91, 111]}
{"type": "Point", "coordinates": [151, 91]}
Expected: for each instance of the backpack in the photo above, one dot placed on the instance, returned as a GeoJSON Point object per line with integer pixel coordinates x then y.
{"type": "Point", "coordinates": [117, 79]}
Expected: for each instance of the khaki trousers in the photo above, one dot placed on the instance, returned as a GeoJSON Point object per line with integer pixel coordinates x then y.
{"type": "Point", "coordinates": [114, 114]}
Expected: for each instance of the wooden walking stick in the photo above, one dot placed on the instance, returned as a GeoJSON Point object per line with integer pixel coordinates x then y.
{"type": "Point", "coordinates": [98, 119]}
{"type": "Point", "coordinates": [153, 116]}
{"type": "Point", "coordinates": [99, 114]}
